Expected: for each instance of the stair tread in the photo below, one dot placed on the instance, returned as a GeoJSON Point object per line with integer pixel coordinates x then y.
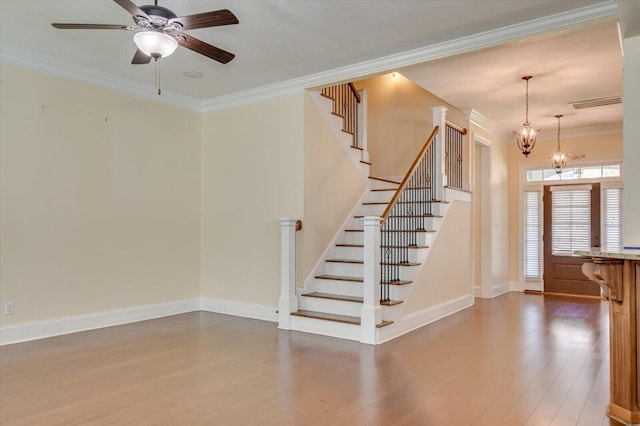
{"type": "Point", "coordinates": [342, 297]}
{"type": "Point", "coordinates": [365, 162]}
{"type": "Point", "coordinates": [385, 180]}
{"type": "Point", "coordinates": [339, 278]}
{"type": "Point", "coordinates": [357, 147]}
{"type": "Point", "coordinates": [408, 247]}
{"type": "Point", "coordinates": [336, 318]}
{"type": "Point", "coordinates": [381, 190]}
{"type": "Point", "coordinates": [354, 230]}
{"type": "Point", "coordinates": [372, 203]}
{"type": "Point", "coordinates": [357, 261]}
{"type": "Point", "coordinates": [390, 302]}
{"type": "Point", "coordinates": [398, 282]}
{"type": "Point", "coordinates": [409, 230]}
{"type": "Point", "coordinates": [350, 245]}
{"type": "Point", "coordinates": [329, 317]}
{"type": "Point", "coordinates": [402, 264]}
{"type": "Point", "coordinates": [424, 215]}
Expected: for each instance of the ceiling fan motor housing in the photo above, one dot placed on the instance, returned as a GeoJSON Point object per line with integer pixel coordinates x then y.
{"type": "Point", "coordinates": [159, 17]}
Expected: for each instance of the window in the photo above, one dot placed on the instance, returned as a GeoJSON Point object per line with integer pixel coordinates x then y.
{"type": "Point", "coordinates": [575, 173]}
{"type": "Point", "coordinates": [532, 234]}
{"type": "Point", "coordinates": [611, 220]}
{"type": "Point", "coordinates": [570, 220]}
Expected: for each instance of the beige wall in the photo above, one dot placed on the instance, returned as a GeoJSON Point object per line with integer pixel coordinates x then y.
{"type": "Point", "coordinates": [332, 186]}
{"type": "Point", "coordinates": [447, 272]}
{"type": "Point", "coordinates": [100, 199]}
{"type": "Point", "coordinates": [631, 193]}
{"type": "Point", "coordinates": [252, 175]}
{"type": "Point", "coordinates": [399, 122]}
{"type": "Point", "coordinates": [599, 147]}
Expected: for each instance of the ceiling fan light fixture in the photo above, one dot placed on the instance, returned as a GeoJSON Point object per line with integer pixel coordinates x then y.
{"type": "Point", "coordinates": [155, 43]}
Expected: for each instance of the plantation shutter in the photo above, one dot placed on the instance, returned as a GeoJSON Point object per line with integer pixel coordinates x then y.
{"type": "Point", "coordinates": [612, 224]}
{"type": "Point", "coordinates": [570, 219]}
{"type": "Point", "coordinates": [532, 234]}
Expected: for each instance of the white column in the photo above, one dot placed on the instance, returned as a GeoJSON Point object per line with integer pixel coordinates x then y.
{"type": "Point", "coordinates": [363, 111]}
{"type": "Point", "coordinates": [371, 314]}
{"type": "Point", "coordinates": [440, 178]}
{"type": "Point", "coordinates": [630, 144]}
{"type": "Point", "coordinates": [288, 301]}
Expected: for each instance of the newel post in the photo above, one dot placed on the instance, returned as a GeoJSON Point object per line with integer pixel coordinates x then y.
{"type": "Point", "coordinates": [371, 314]}
{"type": "Point", "coordinates": [363, 111]}
{"type": "Point", "coordinates": [440, 175]}
{"type": "Point", "coordinates": [288, 302]}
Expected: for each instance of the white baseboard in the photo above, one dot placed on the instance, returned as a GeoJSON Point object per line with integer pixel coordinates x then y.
{"type": "Point", "coordinates": [239, 309]}
{"type": "Point", "coordinates": [498, 289]}
{"type": "Point", "coordinates": [41, 329]}
{"type": "Point", "coordinates": [420, 319]}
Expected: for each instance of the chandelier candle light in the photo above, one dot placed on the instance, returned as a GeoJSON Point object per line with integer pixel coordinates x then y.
{"type": "Point", "coordinates": [559, 158]}
{"type": "Point", "coordinates": [526, 136]}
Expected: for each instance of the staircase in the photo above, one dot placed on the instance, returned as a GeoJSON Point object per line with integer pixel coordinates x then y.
{"type": "Point", "coordinates": [334, 297]}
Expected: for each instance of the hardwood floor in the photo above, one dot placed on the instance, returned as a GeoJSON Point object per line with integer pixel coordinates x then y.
{"type": "Point", "coordinates": [514, 360]}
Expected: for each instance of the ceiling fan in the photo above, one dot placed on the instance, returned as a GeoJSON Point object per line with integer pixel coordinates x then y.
{"type": "Point", "coordinates": [159, 31]}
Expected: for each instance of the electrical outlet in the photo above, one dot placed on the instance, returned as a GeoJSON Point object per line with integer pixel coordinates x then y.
{"type": "Point", "coordinates": [9, 308]}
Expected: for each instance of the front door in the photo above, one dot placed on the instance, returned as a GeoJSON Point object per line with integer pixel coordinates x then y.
{"type": "Point", "coordinates": [571, 222]}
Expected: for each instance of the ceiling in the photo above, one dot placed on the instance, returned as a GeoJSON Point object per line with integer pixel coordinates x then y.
{"type": "Point", "coordinates": [567, 66]}
{"type": "Point", "coordinates": [281, 40]}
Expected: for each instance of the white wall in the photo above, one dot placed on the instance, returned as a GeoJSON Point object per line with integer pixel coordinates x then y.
{"type": "Point", "coordinates": [100, 199]}
{"type": "Point", "coordinates": [252, 175]}
{"type": "Point", "coordinates": [631, 192]}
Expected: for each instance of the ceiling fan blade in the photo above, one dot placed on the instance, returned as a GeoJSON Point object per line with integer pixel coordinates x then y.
{"type": "Point", "coordinates": [132, 8]}
{"type": "Point", "coordinates": [90, 27]}
{"type": "Point", "coordinates": [205, 49]}
{"type": "Point", "coordinates": [215, 18]}
{"type": "Point", "coordinates": [140, 58]}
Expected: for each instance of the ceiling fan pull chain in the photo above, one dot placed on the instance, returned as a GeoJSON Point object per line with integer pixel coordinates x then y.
{"type": "Point", "coordinates": [158, 76]}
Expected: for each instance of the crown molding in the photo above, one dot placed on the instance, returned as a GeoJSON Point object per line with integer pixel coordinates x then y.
{"type": "Point", "coordinates": [47, 64]}
{"type": "Point", "coordinates": [478, 119]}
{"type": "Point", "coordinates": [26, 58]}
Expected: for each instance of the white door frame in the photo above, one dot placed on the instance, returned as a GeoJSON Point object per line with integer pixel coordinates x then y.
{"type": "Point", "coordinates": [482, 181]}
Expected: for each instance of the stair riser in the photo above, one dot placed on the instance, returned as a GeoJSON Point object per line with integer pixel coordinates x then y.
{"type": "Point", "coordinates": [347, 288]}
{"type": "Point", "coordinates": [340, 307]}
{"type": "Point", "coordinates": [373, 209]}
{"type": "Point", "coordinates": [344, 269]}
{"type": "Point", "coordinates": [421, 238]}
{"type": "Point", "coordinates": [380, 196]}
{"type": "Point", "coordinates": [407, 273]}
{"type": "Point", "coordinates": [378, 184]}
{"type": "Point", "coordinates": [326, 328]}
{"type": "Point", "coordinates": [426, 223]}
{"type": "Point", "coordinates": [399, 292]}
{"type": "Point", "coordinates": [356, 253]}
{"type": "Point", "coordinates": [394, 312]}
{"type": "Point", "coordinates": [433, 208]}
{"type": "Point", "coordinates": [353, 238]}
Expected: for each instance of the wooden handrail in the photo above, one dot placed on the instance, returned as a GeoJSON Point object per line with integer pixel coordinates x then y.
{"type": "Point", "coordinates": [462, 130]}
{"type": "Point", "coordinates": [355, 92]}
{"type": "Point", "coordinates": [413, 167]}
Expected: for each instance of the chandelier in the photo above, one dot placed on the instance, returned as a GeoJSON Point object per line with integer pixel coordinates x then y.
{"type": "Point", "coordinates": [526, 136]}
{"type": "Point", "coordinates": [559, 158]}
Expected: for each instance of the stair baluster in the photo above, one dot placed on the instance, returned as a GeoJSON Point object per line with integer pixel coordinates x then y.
{"type": "Point", "coordinates": [405, 215]}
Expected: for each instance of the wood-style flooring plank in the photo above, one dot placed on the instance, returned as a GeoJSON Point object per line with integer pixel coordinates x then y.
{"type": "Point", "coordinates": [514, 360]}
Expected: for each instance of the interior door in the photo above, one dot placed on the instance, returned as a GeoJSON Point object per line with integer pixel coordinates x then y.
{"type": "Point", "coordinates": [566, 228]}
